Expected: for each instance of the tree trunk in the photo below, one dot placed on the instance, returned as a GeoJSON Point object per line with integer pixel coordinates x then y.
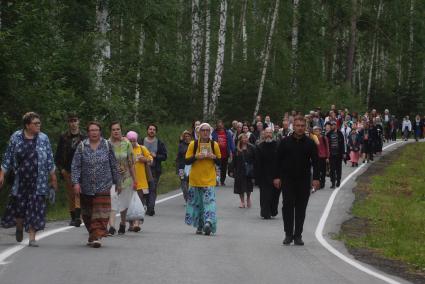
{"type": "Point", "coordinates": [266, 59]}
{"type": "Point", "coordinates": [220, 59]}
{"type": "Point", "coordinates": [196, 47]}
{"type": "Point", "coordinates": [352, 44]}
{"type": "Point", "coordinates": [372, 59]}
{"type": "Point", "coordinates": [207, 59]}
{"type": "Point", "coordinates": [232, 48]}
{"type": "Point", "coordinates": [244, 33]}
{"type": "Point", "coordinates": [294, 46]}
{"type": "Point", "coordinates": [138, 78]}
{"type": "Point", "coordinates": [411, 39]}
{"type": "Point", "coordinates": [103, 44]}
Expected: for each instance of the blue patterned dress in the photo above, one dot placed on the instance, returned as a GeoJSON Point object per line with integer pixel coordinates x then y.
{"type": "Point", "coordinates": [201, 207]}
{"type": "Point", "coordinates": [26, 204]}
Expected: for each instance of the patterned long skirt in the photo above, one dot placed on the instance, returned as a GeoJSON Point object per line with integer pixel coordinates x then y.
{"type": "Point", "coordinates": [201, 207]}
{"type": "Point", "coordinates": [95, 210]}
{"type": "Point", "coordinates": [29, 207]}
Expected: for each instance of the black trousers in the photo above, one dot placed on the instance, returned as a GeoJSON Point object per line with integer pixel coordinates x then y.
{"type": "Point", "coordinates": [335, 168]}
{"type": "Point", "coordinates": [153, 187]}
{"type": "Point", "coordinates": [223, 169]}
{"type": "Point", "coordinates": [295, 200]}
{"type": "Point", "coordinates": [322, 171]}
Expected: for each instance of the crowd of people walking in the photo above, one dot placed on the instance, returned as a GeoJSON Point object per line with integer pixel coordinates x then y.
{"type": "Point", "coordinates": [293, 158]}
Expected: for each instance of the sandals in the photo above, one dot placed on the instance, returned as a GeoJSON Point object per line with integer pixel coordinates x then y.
{"type": "Point", "coordinates": [242, 205]}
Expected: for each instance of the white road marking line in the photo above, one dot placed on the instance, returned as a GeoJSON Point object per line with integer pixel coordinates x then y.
{"type": "Point", "coordinates": [16, 248]}
{"type": "Point", "coordinates": [319, 232]}
{"type": "Point", "coordinates": [325, 244]}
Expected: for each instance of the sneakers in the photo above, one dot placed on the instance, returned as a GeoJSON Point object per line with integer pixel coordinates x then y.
{"type": "Point", "coordinates": [338, 183]}
{"type": "Point", "coordinates": [33, 243]}
{"type": "Point", "coordinates": [288, 240]}
{"type": "Point", "coordinates": [199, 231]}
{"type": "Point", "coordinates": [298, 241]}
{"type": "Point", "coordinates": [111, 231]}
{"type": "Point", "coordinates": [96, 244]}
{"type": "Point", "coordinates": [121, 230]}
{"type": "Point", "coordinates": [150, 212]}
{"type": "Point", "coordinates": [207, 228]}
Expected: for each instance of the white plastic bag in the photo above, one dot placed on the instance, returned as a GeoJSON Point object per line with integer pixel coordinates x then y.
{"type": "Point", "coordinates": [135, 211]}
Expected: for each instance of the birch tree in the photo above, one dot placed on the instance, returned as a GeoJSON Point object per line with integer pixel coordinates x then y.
{"type": "Point", "coordinates": [411, 39]}
{"type": "Point", "coordinates": [138, 77]}
{"type": "Point", "coordinates": [266, 59]}
{"type": "Point", "coordinates": [372, 59]}
{"type": "Point", "coordinates": [103, 43]}
{"type": "Point", "coordinates": [352, 43]}
{"type": "Point", "coordinates": [207, 59]}
{"type": "Point", "coordinates": [196, 46]}
{"type": "Point", "coordinates": [294, 47]}
{"type": "Point", "coordinates": [220, 59]}
{"type": "Point", "coordinates": [244, 33]}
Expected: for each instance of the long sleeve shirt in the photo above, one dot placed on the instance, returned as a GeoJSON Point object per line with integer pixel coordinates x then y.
{"type": "Point", "coordinates": [95, 170]}
{"type": "Point", "coordinates": [295, 158]}
{"type": "Point", "coordinates": [45, 162]}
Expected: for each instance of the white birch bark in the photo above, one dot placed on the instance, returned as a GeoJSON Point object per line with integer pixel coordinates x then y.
{"type": "Point", "coordinates": [411, 39]}
{"type": "Point", "coordinates": [103, 44]}
{"type": "Point", "coordinates": [294, 47]}
{"type": "Point", "coordinates": [220, 59]}
{"type": "Point", "coordinates": [372, 59]}
{"type": "Point", "coordinates": [244, 33]}
{"type": "Point", "coordinates": [266, 59]}
{"type": "Point", "coordinates": [207, 59]}
{"type": "Point", "coordinates": [195, 37]}
{"type": "Point", "coordinates": [138, 78]}
{"type": "Point", "coordinates": [232, 48]}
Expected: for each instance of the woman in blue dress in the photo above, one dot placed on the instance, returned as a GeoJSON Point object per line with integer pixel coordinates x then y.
{"type": "Point", "coordinates": [29, 157]}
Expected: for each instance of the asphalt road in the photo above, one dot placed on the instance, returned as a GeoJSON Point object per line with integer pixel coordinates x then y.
{"type": "Point", "coordinates": [246, 249]}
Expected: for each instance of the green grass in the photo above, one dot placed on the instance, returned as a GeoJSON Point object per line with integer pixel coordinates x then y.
{"type": "Point", "coordinates": [395, 209]}
{"type": "Point", "coordinates": [169, 181]}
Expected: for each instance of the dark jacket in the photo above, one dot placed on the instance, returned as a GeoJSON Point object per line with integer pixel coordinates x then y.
{"type": "Point", "coordinates": [265, 155]}
{"type": "Point", "coordinates": [294, 160]}
{"type": "Point", "coordinates": [161, 155]}
{"type": "Point", "coordinates": [66, 148]}
{"type": "Point", "coordinates": [354, 144]}
{"type": "Point", "coordinates": [181, 155]}
{"type": "Point", "coordinates": [341, 144]}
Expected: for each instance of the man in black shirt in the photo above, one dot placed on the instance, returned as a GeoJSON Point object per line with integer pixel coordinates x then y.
{"type": "Point", "coordinates": [337, 152]}
{"type": "Point", "coordinates": [295, 156]}
{"type": "Point", "coordinates": [67, 145]}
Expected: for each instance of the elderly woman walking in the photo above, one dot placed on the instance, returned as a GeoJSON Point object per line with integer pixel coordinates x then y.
{"type": "Point", "coordinates": [203, 155]}
{"type": "Point", "coordinates": [93, 172]}
{"type": "Point", "coordinates": [29, 158]}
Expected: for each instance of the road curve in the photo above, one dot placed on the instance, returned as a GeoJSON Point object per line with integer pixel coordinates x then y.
{"type": "Point", "coordinates": [246, 249]}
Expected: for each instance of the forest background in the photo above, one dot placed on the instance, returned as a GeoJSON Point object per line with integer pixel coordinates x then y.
{"type": "Point", "coordinates": [174, 61]}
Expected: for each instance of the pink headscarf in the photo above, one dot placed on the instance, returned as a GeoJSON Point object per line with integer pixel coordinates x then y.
{"type": "Point", "coordinates": [132, 135]}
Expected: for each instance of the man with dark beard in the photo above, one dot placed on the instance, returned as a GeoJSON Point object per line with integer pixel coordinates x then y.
{"type": "Point", "coordinates": [264, 156]}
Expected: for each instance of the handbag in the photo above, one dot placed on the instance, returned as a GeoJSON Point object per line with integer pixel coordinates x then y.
{"type": "Point", "coordinates": [135, 211]}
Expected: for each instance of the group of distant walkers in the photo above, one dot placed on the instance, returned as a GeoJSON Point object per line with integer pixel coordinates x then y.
{"type": "Point", "coordinates": [103, 177]}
